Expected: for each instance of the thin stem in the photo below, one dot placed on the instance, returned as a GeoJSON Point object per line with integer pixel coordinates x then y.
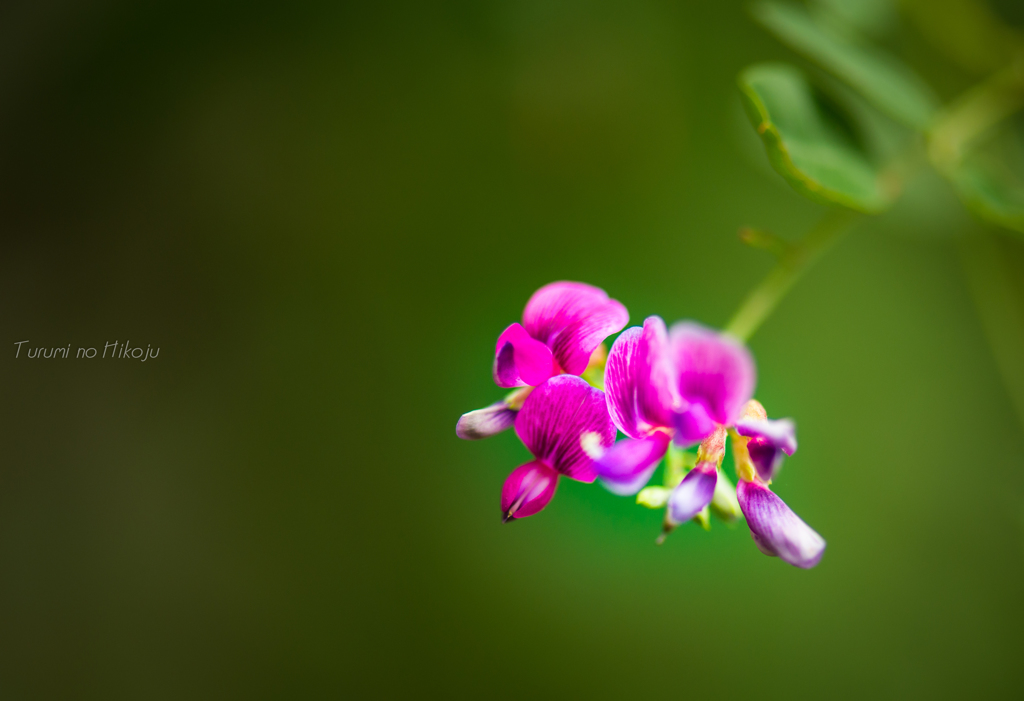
{"type": "Point", "coordinates": [973, 114]}
{"type": "Point", "coordinates": [763, 299]}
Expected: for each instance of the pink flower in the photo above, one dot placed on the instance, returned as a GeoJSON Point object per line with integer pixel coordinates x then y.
{"type": "Point", "coordinates": [552, 424]}
{"type": "Point", "coordinates": [776, 530]}
{"type": "Point", "coordinates": [563, 324]}
{"type": "Point", "coordinates": [682, 385]}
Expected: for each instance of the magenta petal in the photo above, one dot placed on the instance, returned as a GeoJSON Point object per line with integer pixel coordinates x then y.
{"type": "Point", "coordinates": [527, 490]}
{"type": "Point", "coordinates": [769, 440]}
{"type": "Point", "coordinates": [573, 319]}
{"type": "Point", "coordinates": [715, 370]}
{"type": "Point", "coordinates": [693, 493]}
{"type": "Point", "coordinates": [486, 422]}
{"type": "Point", "coordinates": [521, 360]}
{"type": "Point", "coordinates": [776, 529]}
{"type": "Point", "coordinates": [693, 425]}
{"type": "Point", "coordinates": [554, 419]}
{"type": "Point", "coordinates": [628, 465]}
{"type": "Point", "coordinates": [640, 379]}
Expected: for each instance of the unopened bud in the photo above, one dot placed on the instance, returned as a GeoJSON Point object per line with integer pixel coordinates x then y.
{"type": "Point", "coordinates": [724, 502]}
{"type": "Point", "coordinates": [653, 497]}
{"type": "Point", "coordinates": [692, 494]}
{"type": "Point", "coordinates": [486, 422]}
{"type": "Point", "coordinates": [703, 519]}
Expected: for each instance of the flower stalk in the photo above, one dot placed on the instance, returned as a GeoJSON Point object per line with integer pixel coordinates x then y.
{"type": "Point", "coordinates": [794, 261]}
{"type": "Point", "coordinates": [975, 113]}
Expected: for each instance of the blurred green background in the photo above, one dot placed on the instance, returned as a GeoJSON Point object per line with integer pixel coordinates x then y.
{"type": "Point", "coordinates": [324, 215]}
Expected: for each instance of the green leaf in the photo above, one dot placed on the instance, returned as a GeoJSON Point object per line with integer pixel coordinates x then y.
{"type": "Point", "coordinates": [990, 179]}
{"type": "Point", "coordinates": [871, 16]}
{"type": "Point", "coordinates": [884, 80]}
{"type": "Point", "coordinates": [808, 142]}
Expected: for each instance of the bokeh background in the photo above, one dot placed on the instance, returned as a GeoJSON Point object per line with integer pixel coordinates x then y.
{"type": "Point", "coordinates": [323, 215]}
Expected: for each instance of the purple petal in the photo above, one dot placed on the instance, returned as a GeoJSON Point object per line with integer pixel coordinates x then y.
{"type": "Point", "coordinates": [554, 419]}
{"type": "Point", "coordinates": [628, 465]}
{"type": "Point", "coordinates": [520, 360]}
{"type": "Point", "coordinates": [769, 440]}
{"type": "Point", "coordinates": [486, 422]}
{"type": "Point", "coordinates": [780, 432]}
{"type": "Point", "coordinates": [640, 379]}
{"type": "Point", "coordinates": [693, 425]}
{"type": "Point", "coordinates": [776, 529]}
{"type": "Point", "coordinates": [573, 319]}
{"type": "Point", "coordinates": [715, 370]}
{"type": "Point", "coordinates": [693, 493]}
{"type": "Point", "coordinates": [527, 490]}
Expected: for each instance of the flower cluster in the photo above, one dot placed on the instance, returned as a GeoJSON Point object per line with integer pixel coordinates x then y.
{"type": "Point", "coordinates": [666, 389]}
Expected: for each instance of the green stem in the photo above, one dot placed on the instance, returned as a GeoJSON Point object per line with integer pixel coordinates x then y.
{"type": "Point", "coordinates": [974, 113]}
{"type": "Point", "coordinates": [763, 299]}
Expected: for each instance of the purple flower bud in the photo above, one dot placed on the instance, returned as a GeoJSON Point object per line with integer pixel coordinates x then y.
{"type": "Point", "coordinates": [692, 494]}
{"type": "Point", "coordinates": [492, 420]}
{"type": "Point", "coordinates": [777, 531]}
{"type": "Point", "coordinates": [527, 490]}
{"type": "Point", "coordinates": [486, 422]}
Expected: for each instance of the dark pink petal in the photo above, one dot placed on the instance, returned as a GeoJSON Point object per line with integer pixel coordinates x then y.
{"type": "Point", "coordinates": [520, 360]}
{"type": "Point", "coordinates": [769, 440]}
{"type": "Point", "coordinates": [527, 490]}
{"type": "Point", "coordinates": [628, 465]}
{"type": "Point", "coordinates": [692, 494]}
{"type": "Point", "coordinates": [486, 422]}
{"type": "Point", "coordinates": [715, 370]}
{"type": "Point", "coordinates": [640, 381]}
{"type": "Point", "coordinates": [554, 419]}
{"type": "Point", "coordinates": [776, 529]}
{"type": "Point", "coordinates": [573, 319]}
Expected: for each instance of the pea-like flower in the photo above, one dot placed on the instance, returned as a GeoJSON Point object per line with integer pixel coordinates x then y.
{"type": "Point", "coordinates": [556, 420]}
{"type": "Point", "coordinates": [683, 385]}
{"type": "Point", "coordinates": [563, 324]}
{"type": "Point", "coordinates": [758, 447]}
